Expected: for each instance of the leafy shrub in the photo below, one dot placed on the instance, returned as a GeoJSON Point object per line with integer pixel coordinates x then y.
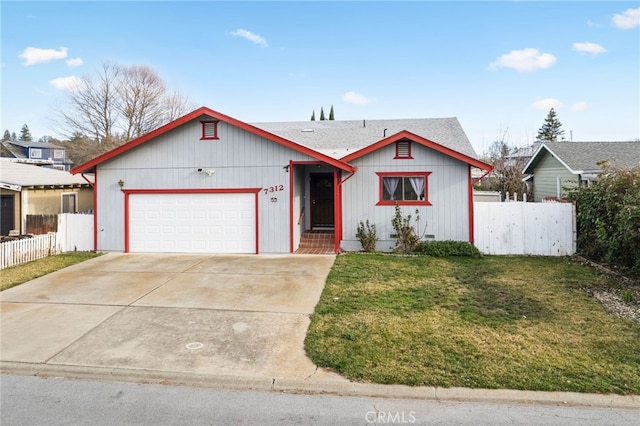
{"type": "Point", "coordinates": [408, 240]}
{"type": "Point", "coordinates": [608, 218]}
{"type": "Point", "coordinates": [367, 235]}
{"type": "Point", "coordinates": [448, 248]}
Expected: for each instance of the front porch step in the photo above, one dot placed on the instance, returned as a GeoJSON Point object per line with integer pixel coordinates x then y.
{"type": "Point", "coordinates": [316, 242]}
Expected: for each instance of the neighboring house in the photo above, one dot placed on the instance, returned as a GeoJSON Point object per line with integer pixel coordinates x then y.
{"type": "Point", "coordinates": [523, 154]}
{"type": "Point", "coordinates": [27, 189]}
{"type": "Point", "coordinates": [41, 153]}
{"type": "Point", "coordinates": [208, 183]}
{"type": "Point", "coordinates": [556, 167]}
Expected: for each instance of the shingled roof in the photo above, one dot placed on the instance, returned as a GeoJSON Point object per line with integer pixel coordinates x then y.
{"type": "Point", "coordinates": [583, 157]}
{"type": "Point", "coordinates": [27, 175]}
{"type": "Point", "coordinates": [341, 137]}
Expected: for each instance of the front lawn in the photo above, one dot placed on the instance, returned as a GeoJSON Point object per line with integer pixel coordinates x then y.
{"type": "Point", "coordinates": [490, 322]}
{"type": "Point", "coordinates": [15, 275]}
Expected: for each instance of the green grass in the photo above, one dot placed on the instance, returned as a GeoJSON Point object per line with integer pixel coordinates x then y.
{"type": "Point", "coordinates": [16, 275]}
{"type": "Point", "coordinates": [490, 322]}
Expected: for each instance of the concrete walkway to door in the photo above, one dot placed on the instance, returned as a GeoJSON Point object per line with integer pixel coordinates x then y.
{"type": "Point", "coordinates": [215, 315]}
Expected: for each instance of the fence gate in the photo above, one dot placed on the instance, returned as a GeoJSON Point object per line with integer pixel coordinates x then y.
{"type": "Point", "coordinates": [518, 228]}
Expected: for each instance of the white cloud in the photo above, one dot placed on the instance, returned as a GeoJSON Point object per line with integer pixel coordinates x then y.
{"type": "Point", "coordinates": [34, 55]}
{"type": "Point", "coordinates": [626, 20]}
{"type": "Point", "coordinates": [356, 98]}
{"type": "Point", "coordinates": [547, 103]}
{"type": "Point", "coordinates": [255, 38]}
{"type": "Point", "coordinates": [69, 84]}
{"type": "Point", "coordinates": [588, 47]}
{"type": "Point", "coordinates": [592, 24]}
{"type": "Point", "coordinates": [75, 62]}
{"type": "Point", "coordinates": [524, 60]}
{"type": "Point", "coordinates": [579, 106]}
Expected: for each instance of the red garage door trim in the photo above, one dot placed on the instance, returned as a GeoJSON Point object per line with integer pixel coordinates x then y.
{"type": "Point", "coordinates": [128, 192]}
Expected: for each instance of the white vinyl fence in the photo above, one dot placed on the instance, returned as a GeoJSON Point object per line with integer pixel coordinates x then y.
{"type": "Point", "coordinates": [75, 232]}
{"type": "Point", "coordinates": [519, 228]}
{"type": "Point", "coordinates": [17, 252]}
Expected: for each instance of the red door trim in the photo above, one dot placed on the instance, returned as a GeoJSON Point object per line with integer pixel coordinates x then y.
{"type": "Point", "coordinates": [290, 170]}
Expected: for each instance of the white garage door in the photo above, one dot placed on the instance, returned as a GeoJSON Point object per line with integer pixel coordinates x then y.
{"type": "Point", "coordinates": [192, 223]}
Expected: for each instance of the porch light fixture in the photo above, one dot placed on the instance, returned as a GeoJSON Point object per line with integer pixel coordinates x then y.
{"type": "Point", "coordinates": [286, 168]}
{"type": "Point", "coordinates": [121, 183]}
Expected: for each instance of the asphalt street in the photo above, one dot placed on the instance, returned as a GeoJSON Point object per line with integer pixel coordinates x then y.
{"type": "Point", "coordinates": [28, 400]}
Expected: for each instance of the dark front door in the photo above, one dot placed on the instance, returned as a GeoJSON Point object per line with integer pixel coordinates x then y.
{"type": "Point", "coordinates": [321, 200]}
{"type": "Point", "coordinates": [6, 214]}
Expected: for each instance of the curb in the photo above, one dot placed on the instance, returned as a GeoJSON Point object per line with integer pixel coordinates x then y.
{"type": "Point", "coordinates": [319, 387]}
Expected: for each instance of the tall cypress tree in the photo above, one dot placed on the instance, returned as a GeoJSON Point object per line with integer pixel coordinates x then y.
{"type": "Point", "coordinates": [313, 115]}
{"type": "Point", "coordinates": [331, 116]}
{"type": "Point", "coordinates": [322, 114]}
{"type": "Point", "coordinates": [551, 128]}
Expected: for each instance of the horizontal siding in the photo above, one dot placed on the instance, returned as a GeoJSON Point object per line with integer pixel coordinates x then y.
{"type": "Point", "coordinates": [448, 216]}
{"type": "Point", "coordinates": [239, 159]}
{"type": "Point", "coordinates": [545, 178]}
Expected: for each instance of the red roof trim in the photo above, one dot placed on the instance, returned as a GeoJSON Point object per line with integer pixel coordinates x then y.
{"type": "Point", "coordinates": [422, 141]}
{"type": "Point", "coordinates": [216, 115]}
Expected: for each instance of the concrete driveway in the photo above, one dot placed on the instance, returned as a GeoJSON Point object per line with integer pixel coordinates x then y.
{"type": "Point", "coordinates": [224, 315]}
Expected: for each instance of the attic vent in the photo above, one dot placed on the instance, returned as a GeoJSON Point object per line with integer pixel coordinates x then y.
{"type": "Point", "coordinates": [403, 150]}
{"type": "Point", "coordinates": [209, 130]}
{"type": "Point", "coordinates": [308, 130]}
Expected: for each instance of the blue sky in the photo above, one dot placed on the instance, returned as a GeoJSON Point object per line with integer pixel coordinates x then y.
{"type": "Point", "coordinates": [498, 66]}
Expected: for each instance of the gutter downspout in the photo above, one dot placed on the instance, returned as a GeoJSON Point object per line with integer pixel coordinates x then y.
{"type": "Point", "coordinates": [481, 177]}
{"type": "Point", "coordinates": [91, 184]}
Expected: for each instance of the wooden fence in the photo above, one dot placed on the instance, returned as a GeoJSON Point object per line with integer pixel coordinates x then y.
{"type": "Point", "coordinates": [39, 224]}
{"type": "Point", "coordinates": [25, 250]}
{"type": "Point", "coordinates": [519, 228]}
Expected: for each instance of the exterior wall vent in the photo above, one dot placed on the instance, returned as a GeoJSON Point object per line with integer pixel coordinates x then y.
{"type": "Point", "coordinates": [209, 130]}
{"type": "Point", "coordinates": [403, 150]}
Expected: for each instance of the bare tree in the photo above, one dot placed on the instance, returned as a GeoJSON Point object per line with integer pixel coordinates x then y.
{"type": "Point", "coordinates": [93, 105]}
{"type": "Point", "coordinates": [508, 165]}
{"type": "Point", "coordinates": [141, 94]}
{"type": "Point", "coordinates": [119, 104]}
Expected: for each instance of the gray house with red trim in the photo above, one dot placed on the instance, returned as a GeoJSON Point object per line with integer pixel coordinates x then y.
{"type": "Point", "coordinates": [209, 183]}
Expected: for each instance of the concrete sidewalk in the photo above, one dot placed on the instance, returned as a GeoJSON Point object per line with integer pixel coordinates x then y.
{"type": "Point", "coordinates": [235, 322]}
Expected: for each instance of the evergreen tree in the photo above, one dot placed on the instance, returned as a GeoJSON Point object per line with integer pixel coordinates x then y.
{"type": "Point", "coordinates": [322, 114]}
{"type": "Point", "coordinates": [14, 138]}
{"type": "Point", "coordinates": [313, 115]}
{"type": "Point", "coordinates": [25, 134]}
{"type": "Point", "coordinates": [6, 136]}
{"type": "Point", "coordinates": [551, 128]}
{"type": "Point", "coordinates": [331, 116]}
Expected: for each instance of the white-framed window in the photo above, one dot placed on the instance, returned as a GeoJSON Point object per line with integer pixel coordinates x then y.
{"type": "Point", "coordinates": [35, 153]}
{"type": "Point", "coordinates": [69, 202]}
{"type": "Point", "coordinates": [58, 153]}
{"type": "Point", "coordinates": [403, 188]}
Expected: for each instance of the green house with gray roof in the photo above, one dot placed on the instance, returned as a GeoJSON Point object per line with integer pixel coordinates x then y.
{"type": "Point", "coordinates": [556, 167]}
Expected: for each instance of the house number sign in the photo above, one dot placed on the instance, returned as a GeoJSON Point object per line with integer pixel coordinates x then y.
{"type": "Point", "coordinates": [272, 189]}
